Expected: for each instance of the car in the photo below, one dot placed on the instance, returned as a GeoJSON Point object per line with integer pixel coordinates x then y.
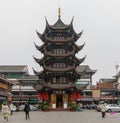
{"type": "Point", "coordinates": [113, 108]}
{"type": "Point", "coordinates": [92, 106]}
{"type": "Point", "coordinates": [33, 108]}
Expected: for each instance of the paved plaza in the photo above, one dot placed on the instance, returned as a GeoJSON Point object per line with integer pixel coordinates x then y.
{"type": "Point", "coordinates": [63, 117]}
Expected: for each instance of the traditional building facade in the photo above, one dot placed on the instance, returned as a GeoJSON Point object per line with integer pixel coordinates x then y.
{"type": "Point", "coordinates": [5, 91]}
{"type": "Point", "coordinates": [22, 87]}
{"type": "Point", "coordinates": [108, 90]}
{"type": "Point", "coordinates": [58, 78]}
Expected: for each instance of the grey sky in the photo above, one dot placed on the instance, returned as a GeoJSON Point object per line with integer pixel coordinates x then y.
{"type": "Point", "coordinates": [100, 20]}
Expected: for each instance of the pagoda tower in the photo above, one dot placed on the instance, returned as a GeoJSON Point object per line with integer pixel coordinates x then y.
{"type": "Point", "coordinates": [58, 77]}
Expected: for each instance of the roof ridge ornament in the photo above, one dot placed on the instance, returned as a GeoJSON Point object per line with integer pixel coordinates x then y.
{"type": "Point", "coordinates": [59, 12]}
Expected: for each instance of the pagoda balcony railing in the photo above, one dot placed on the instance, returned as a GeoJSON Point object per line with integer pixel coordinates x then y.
{"type": "Point", "coordinates": [59, 69]}
{"type": "Point", "coordinates": [59, 55]}
{"type": "Point", "coordinates": [59, 40]}
{"type": "Point", "coordinates": [59, 86]}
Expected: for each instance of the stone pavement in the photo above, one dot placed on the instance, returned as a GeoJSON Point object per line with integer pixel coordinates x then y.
{"type": "Point", "coordinates": [86, 116]}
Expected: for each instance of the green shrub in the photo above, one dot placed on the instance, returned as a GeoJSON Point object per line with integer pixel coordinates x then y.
{"type": "Point", "coordinates": [73, 106]}
{"type": "Point", "coordinates": [45, 107]}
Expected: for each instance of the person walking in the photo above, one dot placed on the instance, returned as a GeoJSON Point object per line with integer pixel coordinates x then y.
{"type": "Point", "coordinates": [5, 110]}
{"type": "Point", "coordinates": [11, 109]}
{"type": "Point", "coordinates": [27, 110]}
{"type": "Point", "coordinates": [103, 110]}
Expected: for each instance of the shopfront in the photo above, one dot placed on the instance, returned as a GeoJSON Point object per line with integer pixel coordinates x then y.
{"type": "Point", "coordinates": [59, 100]}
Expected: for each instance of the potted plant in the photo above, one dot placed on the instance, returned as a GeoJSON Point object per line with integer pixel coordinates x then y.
{"type": "Point", "coordinates": [73, 106]}
{"type": "Point", "coordinates": [45, 106]}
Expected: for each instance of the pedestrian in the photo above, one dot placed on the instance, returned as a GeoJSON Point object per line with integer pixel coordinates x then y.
{"type": "Point", "coordinates": [27, 110]}
{"type": "Point", "coordinates": [11, 109]}
{"type": "Point", "coordinates": [103, 110]}
{"type": "Point", "coordinates": [79, 108]}
{"type": "Point", "coordinates": [5, 110]}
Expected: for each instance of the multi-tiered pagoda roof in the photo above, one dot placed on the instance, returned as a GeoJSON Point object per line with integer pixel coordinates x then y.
{"type": "Point", "coordinates": [59, 49]}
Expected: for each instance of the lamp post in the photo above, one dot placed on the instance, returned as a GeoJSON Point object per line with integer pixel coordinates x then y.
{"type": "Point", "coordinates": [20, 92]}
{"type": "Point", "coordinates": [116, 67]}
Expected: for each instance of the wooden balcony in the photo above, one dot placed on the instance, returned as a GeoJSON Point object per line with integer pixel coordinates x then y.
{"type": "Point", "coordinates": [60, 55]}
{"type": "Point", "coordinates": [59, 69]}
{"type": "Point", "coordinates": [3, 93]}
{"type": "Point", "coordinates": [59, 40]}
{"type": "Point", "coordinates": [59, 86]}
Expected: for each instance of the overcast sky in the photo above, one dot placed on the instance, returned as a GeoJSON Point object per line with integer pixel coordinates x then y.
{"type": "Point", "coordinates": [99, 19]}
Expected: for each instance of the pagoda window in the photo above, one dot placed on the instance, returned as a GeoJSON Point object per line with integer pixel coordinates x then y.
{"type": "Point", "coordinates": [59, 38]}
{"type": "Point", "coordinates": [59, 65]}
{"type": "Point", "coordinates": [59, 51]}
{"type": "Point", "coordinates": [54, 80]}
{"type": "Point", "coordinates": [59, 80]}
{"type": "Point", "coordinates": [63, 80]}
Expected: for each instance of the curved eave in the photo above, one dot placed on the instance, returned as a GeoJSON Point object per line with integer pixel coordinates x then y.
{"type": "Point", "coordinates": [39, 61]}
{"type": "Point", "coordinates": [40, 35]}
{"type": "Point", "coordinates": [92, 72]}
{"type": "Point", "coordinates": [77, 36]}
{"type": "Point", "coordinates": [40, 48]}
{"type": "Point", "coordinates": [38, 73]}
{"type": "Point", "coordinates": [78, 74]}
{"type": "Point", "coordinates": [80, 60]}
{"type": "Point", "coordinates": [78, 48]}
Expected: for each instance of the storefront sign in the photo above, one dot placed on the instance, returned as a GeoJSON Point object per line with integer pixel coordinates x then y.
{"type": "Point", "coordinates": [96, 93]}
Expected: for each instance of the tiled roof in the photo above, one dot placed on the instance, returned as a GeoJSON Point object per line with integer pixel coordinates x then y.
{"type": "Point", "coordinates": [13, 68]}
{"type": "Point", "coordinates": [59, 25]}
{"type": "Point", "coordinates": [29, 77]}
{"type": "Point", "coordinates": [85, 68]}
{"type": "Point", "coordinates": [107, 80]}
{"type": "Point", "coordinates": [5, 80]}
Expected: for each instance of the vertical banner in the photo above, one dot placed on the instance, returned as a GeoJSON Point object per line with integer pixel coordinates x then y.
{"type": "Point", "coordinates": [65, 100]}
{"type": "Point", "coordinates": [53, 100]}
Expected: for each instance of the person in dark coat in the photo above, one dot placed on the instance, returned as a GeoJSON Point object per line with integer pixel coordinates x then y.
{"type": "Point", "coordinates": [27, 110]}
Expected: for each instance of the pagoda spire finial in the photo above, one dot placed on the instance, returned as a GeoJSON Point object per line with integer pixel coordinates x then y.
{"type": "Point", "coordinates": [59, 12]}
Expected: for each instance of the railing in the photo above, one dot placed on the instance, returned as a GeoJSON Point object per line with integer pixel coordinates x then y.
{"type": "Point", "coordinates": [24, 96]}
{"type": "Point", "coordinates": [108, 97]}
{"type": "Point", "coordinates": [62, 54]}
{"type": "Point", "coordinates": [59, 86]}
{"type": "Point", "coordinates": [59, 69]}
{"type": "Point", "coordinates": [4, 93]}
{"type": "Point", "coordinates": [18, 87]}
{"type": "Point", "coordinates": [59, 40]}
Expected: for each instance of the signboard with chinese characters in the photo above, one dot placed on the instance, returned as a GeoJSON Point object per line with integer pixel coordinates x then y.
{"type": "Point", "coordinates": [96, 93]}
